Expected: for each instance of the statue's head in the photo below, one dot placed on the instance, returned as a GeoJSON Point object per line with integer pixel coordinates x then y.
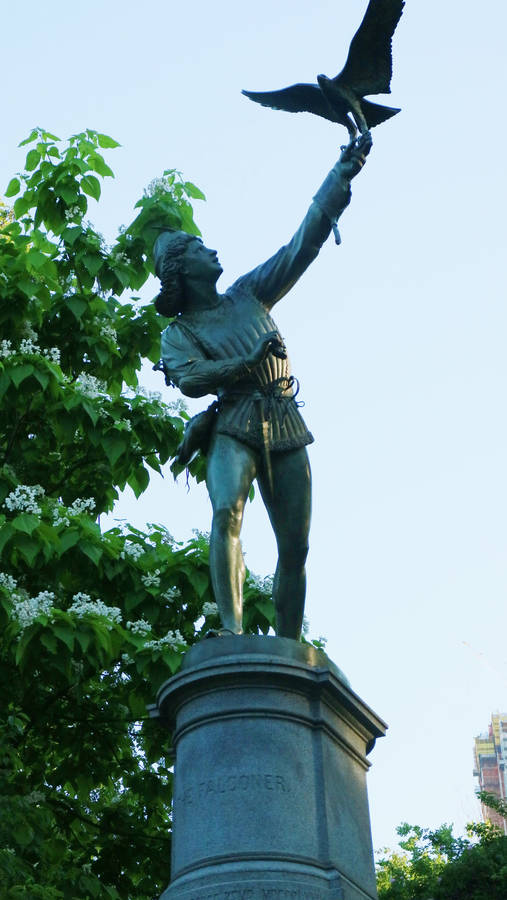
{"type": "Point", "coordinates": [181, 258]}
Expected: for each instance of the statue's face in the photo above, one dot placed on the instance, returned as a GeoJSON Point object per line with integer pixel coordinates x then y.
{"type": "Point", "coordinates": [200, 263]}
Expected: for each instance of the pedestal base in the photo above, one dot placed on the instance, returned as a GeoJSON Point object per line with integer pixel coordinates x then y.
{"type": "Point", "coordinates": [270, 794]}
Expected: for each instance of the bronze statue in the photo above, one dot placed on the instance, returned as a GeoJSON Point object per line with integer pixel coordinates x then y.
{"type": "Point", "coordinates": [368, 70]}
{"type": "Point", "coordinates": [228, 345]}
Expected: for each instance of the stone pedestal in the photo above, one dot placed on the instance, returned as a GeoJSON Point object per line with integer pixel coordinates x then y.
{"type": "Point", "coordinates": [270, 794]}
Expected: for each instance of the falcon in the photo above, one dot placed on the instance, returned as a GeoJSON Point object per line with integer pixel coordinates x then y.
{"type": "Point", "coordinates": [368, 70]}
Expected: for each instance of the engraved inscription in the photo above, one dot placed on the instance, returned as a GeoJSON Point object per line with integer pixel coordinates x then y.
{"type": "Point", "coordinates": [267, 893]}
{"type": "Point", "coordinates": [241, 783]}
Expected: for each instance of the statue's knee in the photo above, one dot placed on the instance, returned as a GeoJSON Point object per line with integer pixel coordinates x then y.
{"type": "Point", "coordinates": [228, 520]}
{"type": "Point", "coordinates": [294, 553]}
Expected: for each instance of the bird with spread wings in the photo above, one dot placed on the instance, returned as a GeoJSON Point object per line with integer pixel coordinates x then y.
{"type": "Point", "coordinates": [368, 70]}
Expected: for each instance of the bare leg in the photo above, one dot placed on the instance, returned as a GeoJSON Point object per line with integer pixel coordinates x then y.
{"type": "Point", "coordinates": [289, 509]}
{"type": "Point", "coordinates": [231, 470]}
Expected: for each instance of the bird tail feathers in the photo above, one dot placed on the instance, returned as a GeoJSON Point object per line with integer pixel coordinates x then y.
{"type": "Point", "coordinates": [374, 113]}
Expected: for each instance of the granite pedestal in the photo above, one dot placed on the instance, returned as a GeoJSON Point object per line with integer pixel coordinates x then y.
{"type": "Point", "coordinates": [270, 798]}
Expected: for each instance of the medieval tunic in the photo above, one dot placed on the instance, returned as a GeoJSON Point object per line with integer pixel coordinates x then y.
{"type": "Point", "coordinates": [258, 409]}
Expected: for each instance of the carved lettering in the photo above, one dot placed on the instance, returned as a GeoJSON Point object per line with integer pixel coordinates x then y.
{"type": "Point", "coordinates": [244, 782]}
{"type": "Point", "coordinates": [269, 893]}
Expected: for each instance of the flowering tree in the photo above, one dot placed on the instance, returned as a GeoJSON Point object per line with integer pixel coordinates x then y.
{"type": "Point", "coordinates": [90, 622]}
{"type": "Point", "coordinates": [436, 865]}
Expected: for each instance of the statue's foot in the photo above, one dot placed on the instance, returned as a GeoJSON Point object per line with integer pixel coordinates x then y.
{"type": "Point", "coordinates": [222, 632]}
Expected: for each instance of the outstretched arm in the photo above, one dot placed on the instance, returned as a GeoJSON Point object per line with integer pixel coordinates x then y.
{"type": "Point", "coordinates": [272, 279]}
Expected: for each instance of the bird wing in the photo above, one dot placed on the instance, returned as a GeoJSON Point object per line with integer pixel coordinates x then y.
{"type": "Point", "coordinates": [369, 65]}
{"type": "Point", "coordinates": [296, 98]}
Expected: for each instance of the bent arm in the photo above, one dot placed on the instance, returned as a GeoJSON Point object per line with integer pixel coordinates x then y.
{"type": "Point", "coordinates": [207, 376]}
{"type": "Point", "coordinates": [188, 369]}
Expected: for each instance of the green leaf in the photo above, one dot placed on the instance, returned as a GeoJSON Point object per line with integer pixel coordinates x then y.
{"type": "Point", "coordinates": [19, 373]}
{"type": "Point", "coordinates": [194, 191]}
{"type": "Point", "coordinates": [69, 193]}
{"type": "Point", "coordinates": [13, 187]}
{"type": "Point", "coordinates": [31, 137]}
{"type": "Point", "coordinates": [68, 539]}
{"type": "Point", "coordinates": [137, 705]}
{"type": "Point", "coordinates": [6, 532]}
{"type": "Point", "coordinates": [91, 186]}
{"type": "Point", "coordinates": [92, 263]}
{"type": "Point", "coordinates": [65, 633]}
{"type": "Point", "coordinates": [28, 548]}
{"type": "Point", "coordinates": [94, 414]}
{"type": "Point", "coordinates": [22, 833]}
{"type": "Point", "coordinates": [98, 164]}
{"type": "Point", "coordinates": [42, 378]}
{"type": "Point", "coordinates": [4, 383]}
{"type": "Point", "coordinates": [266, 608]}
{"type": "Point", "coordinates": [71, 234]}
{"type": "Point", "coordinates": [92, 551]}
{"type": "Point", "coordinates": [107, 142]}
{"type": "Point", "coordinates": [139, 480]}
{"type": "Point", "coordinates": [198, 580]}
{"type": "Point", "coordinates": [21, 207]}
{"type": "Point", "coordinates": [26, 522]}
{"type": "Point", "coordinates": [114, 445]}
{"type": "Point", "coordinates": [83, 638]}
{"type": "Point", "coordinates": [77, 306]}
{"type": "Point", "coordinates": [49, 641]}
{"type": "Point", "coordinates": [36, 258]}
{"type": "Point", "coordinates": [32, 160]}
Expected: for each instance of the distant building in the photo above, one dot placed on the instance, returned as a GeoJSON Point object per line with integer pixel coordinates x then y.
{"type": "Point", "coordinates": [490, 765]}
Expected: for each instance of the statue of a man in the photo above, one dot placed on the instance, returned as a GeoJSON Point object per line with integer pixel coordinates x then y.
{"type": "Point", "coordinates": [228, 345]}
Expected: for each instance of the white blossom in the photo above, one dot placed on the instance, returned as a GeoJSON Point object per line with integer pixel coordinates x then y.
{"type": "Point", "coordinates": [263, 584]}
{"type": "Point", "coordinates": [72, 212]}
{"type": "Point", "coordinates": [141, 626]}
{"type": "Point", "coordinates": [135, 551]}
{"type": "Point", "coordinates": [157, 188]}
{"type": "Point", "coordinates": [126, 658]}
{"type": "Point", "coordinates": [171, 594]}
{"type": "Point", "coordinates": [24, 498]}
{"type": "Point", "coordinates": [209, 609]}
{"type": "Point", "coordinates": [8, 582]}
{"type": "Point", "coordinates": [81, 505]}
{"type": "Point", "coordinates": [83, 605]}
{"type": "Point", "coordinates": [177, 406]}
{"type": "Point", "coordinates": [6, 349]}
{"type": "Point", "coordinates": [29, 332]}
{"type": "Point", "coordinates": [150, 395]}
{"type": "Point", "coordinates": [152, 580]}
{"type": "Point", "coordinates": [27, 610]}
{"type": "Point", "coordinates": [90, 386]}
{"type": "Point", "coordinates": [173, 640]}
{"type": "Point", "coordinates": [107, 331]}
{"type": "Point", "coordinates": [27, 346]}
{"type": "Point", "coordinates": [53, 354]}
{"type": "Point", "coordinates": [59, 519]}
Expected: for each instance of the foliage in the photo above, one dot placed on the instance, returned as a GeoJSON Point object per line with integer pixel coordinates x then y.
{"type": "Point", "coordinates": [90, 623]}
{"type": "Point", "coordinates": [493, 802]}
{"type": "Point", "coordinates": [436, 865]}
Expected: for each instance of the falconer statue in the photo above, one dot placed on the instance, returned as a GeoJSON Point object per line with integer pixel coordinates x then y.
{"type": "Point", "coordinates": [228, 345]}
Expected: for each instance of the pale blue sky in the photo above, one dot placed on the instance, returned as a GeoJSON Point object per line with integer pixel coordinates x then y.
{"type": "Point", "coordinates": [397, 337]}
